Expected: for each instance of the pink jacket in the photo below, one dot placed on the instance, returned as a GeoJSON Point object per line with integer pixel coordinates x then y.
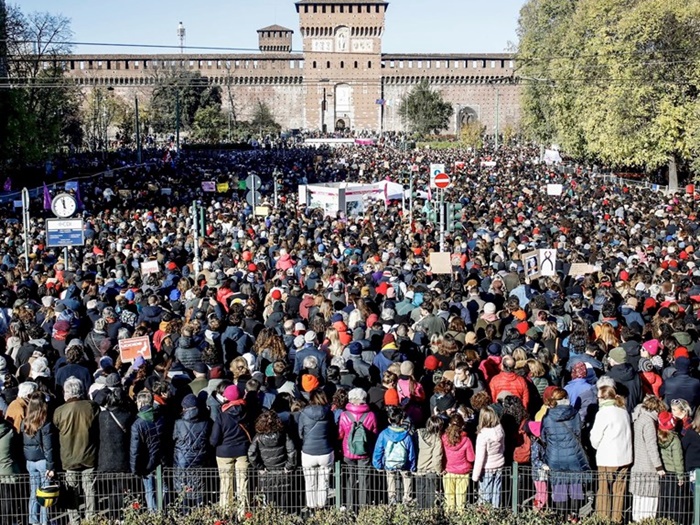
{"type": "Point", "coordinates": [285, 262]}
{"type": "Point", "coordinates": [354, 413]}
{"type": "Point", "coordinates": [490, 445]}
{"type": "Point", "coordinates": [459, 459]}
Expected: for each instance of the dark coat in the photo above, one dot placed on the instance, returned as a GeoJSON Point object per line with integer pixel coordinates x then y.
{"type": "Point", "coordinates": [113, 454]}
{"type": "Point", "coordinates": [310, 350]}
{"type": "Point", "coordinates": [40, 445]}
{"type": "Point", "coordinates": [146, 442]}
{"type": "Point", "coordinates": [317, 430]}
{"type": "Point", "coordinates": [273, 451]}
{"type": "Point", "coordinates": [561, 433]}
{"type": "Point", "coordinates": [234, 342]}
{"type": "Point", "coordinates": [191, 437]}
{"type": "Point", "coordinates": [151, 314]}
{"type": "Point", "coordinates": [627, 384]}
{"type": "Point", "coordinates": [227, 435]}
{"type": "Point", "coordinates": [681, 386]}
{"type": "Point", "coordinates": [187, 353]}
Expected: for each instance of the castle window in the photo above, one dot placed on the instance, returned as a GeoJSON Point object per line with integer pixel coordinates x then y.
{"type": "Point", "coordinates": [328, 64]}
{"type": "Point", "coordinates": [323, 9]}
{"type": "Point", "coordinates": [369, 64]}
{"type": "Point", "coordinates": [355, 64]}
{"type": "Point", "coordinates": [291, 64]}
{"type": "Point", "coordinates": [342, 64]}
{"type": "Point", "coordinates": [332, 9]}
{"type": "Point", "coordinates": [313, 64]}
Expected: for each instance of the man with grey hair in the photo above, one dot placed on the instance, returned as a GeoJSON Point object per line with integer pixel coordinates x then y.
{"type": "Point", "coordinates": [77, 424]}
{"type": "Point", "coordinates": [357, 428]}
{"type": "Point", "coordinates": [146, 449]}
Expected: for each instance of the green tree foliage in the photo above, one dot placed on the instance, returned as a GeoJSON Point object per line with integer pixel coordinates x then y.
{"type": "Point", "coordinates": [210, 124]}
{"type": "Point", "coordinates": [263, 121]}
{"type": "Point", "coordinates": [188, 88]}
{"type": "Point", "coordinates": [615, 80]}
{"type": "Point", "coordinates": [102, 110]}
{"type": "Point", "coordinates": [425, 111]}
{"type": "Point", "coordinates": [40, 114]}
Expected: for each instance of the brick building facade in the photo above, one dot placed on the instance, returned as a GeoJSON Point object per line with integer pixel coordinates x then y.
{"type": "Point", "coordinates": [341, 79]}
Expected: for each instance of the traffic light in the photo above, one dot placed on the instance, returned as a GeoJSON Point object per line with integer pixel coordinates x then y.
{"type": "Point", "coordinates": [453, 217]}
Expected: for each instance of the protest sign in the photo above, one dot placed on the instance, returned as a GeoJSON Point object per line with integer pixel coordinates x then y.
{"type": "Point", "coordinates": [130, 349]}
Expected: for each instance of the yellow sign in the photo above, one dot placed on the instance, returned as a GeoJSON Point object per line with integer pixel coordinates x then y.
{"type": "Point", "coordinates": [222, 187]}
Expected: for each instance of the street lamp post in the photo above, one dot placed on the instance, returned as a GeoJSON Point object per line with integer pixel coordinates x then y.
{"type": "Point", "coordinates": [138, 130]}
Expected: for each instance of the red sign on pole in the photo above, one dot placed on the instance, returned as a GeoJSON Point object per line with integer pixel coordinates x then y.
{"type": "Point", "coordinates": [442, 180]}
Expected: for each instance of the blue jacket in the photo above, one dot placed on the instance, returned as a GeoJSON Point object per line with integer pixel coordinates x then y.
{"type": "Point", "coordinates": [317, 430]}
{"type": "Point", "coordinates": [395, 435]}
{"type": "Point", "coordinates": [227, 435]}
{"type": "Point", "coordinates": [583, 397]}
{"type": "Point", "coordinates": [234, 342]}
{"type": "Point", "coordinates": [307, 351]}
{"type": "Point", "coordinates": [681, 386]}
{"type": "Point", "coordinates": [146, 442]}
{"type": "Point", "coordinates": [191, 438]}
{"type": "Point", "coordinates": [561, 433]}
{"type": "Point", "coordinates": [632, 316]}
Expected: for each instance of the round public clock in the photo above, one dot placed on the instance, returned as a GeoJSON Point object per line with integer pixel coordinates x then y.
{"type": "Point", "coordinates": [64, 205]}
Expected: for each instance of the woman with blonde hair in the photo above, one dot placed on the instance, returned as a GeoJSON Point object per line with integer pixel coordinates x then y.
{"type": "Point", "coordinates": [332, 345]}
{"type": "Point", "coordinates": [241, 372]}
{"type": "Point", "coordinates": [608, 336]}
{"type": "Point", "coordinates": [489, 456]}
{"type": "Point", "coordinates": [611, 436]}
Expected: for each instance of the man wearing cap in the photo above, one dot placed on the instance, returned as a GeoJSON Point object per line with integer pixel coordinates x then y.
{"type": "Point", "coordinates": [200, 381]}
{"type": "Point", "coordinates": [310, 349]}
{"type": "Point", "coordinates": [627, 381]}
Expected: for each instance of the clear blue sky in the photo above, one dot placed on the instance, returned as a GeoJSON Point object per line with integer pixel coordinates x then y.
{"type": "Point", "coordinates": [437, 26]}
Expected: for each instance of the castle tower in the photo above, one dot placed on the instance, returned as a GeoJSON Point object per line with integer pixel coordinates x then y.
{"type": "Point", "coordinates": [342, 41]}
{"type": "Point", "coordinates": [275, 39]}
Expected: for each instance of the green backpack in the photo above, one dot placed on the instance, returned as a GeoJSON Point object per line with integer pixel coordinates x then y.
{"type": "Point", "coordinates": [357, 442]}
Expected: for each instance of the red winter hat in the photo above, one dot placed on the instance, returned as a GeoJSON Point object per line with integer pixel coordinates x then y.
{"type": "Point", "coordinates": [522, 327]}
{"type": "Point", "coordinates": [388, 339]}
{"type": "Point", "coordinates": [391, 398]}
{"type": "Point", "coordinates": [649, 303]}
{"type": "Point", "coordinates": [681, 351]}
{"type": "Point", "coordinates": [276, 295]}
{"type": "Point", "coordinates": [432, 363]}
{"type": "Point", "coordinates": [171, 266]}
{"type": "Point", "coordinates": [624, 276]}
{"type": "Point", "coordinates": [252, 267]}
{"type": "Point", "coordinates": [666, 421]}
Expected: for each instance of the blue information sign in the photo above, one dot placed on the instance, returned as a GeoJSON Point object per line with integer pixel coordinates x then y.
{"type": "Point", "coordinates": [64, 232]}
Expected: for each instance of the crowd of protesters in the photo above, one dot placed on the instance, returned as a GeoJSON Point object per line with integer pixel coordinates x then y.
{"type": "Point", "coordinates": [308, 339]}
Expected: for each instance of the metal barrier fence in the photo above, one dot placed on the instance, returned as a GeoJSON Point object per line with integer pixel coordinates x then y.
{"type": "Point", "coordinates": [622, 496]}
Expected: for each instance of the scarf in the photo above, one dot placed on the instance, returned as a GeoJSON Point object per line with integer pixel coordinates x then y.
{"type": "Point", "coordinates": [229, 404]}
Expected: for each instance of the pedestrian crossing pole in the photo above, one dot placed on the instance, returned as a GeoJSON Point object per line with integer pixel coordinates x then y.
{"type": "Point", "coordinates": [442, 220]}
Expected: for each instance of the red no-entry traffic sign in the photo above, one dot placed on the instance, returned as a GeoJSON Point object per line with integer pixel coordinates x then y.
{"type": "Point", "coordinates": [442, 180]}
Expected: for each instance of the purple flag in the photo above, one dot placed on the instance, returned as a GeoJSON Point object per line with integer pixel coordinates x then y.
{"type": "Point", "coordinates": [47, 198]}
{"type": "Point", "coordinates": [8, 184]}
{"type": "Point", "coordinates": [77, 197]}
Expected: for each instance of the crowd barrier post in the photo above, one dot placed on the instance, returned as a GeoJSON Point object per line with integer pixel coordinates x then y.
{"type": "Point", "coordinates": [159, 488]}
{"type": "Point", "coordinates": [337, 489]}
{"type": "Point", "coordinates": [696, 499]}
{"type": "Point", "coordinates": [514, 490]}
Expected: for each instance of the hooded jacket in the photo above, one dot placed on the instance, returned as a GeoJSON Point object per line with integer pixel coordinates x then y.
{"type": "Point", "coordinates": [681, 385]}
{"type": "Point", "coordinates": [40, 446]}
{"type": "Point", "coordinates": [352, 414]}
{"type": "Point", "coordinates": [390, 354]}
{"type": "Point", "coordinates": [146, 450]}
{"type": "Point", "coordinates": [611, 436]}
{"type": "Point", "coordinates": [395, 435]}
{"type": "Point", "coordinates": [227, 435]}
{"type": "Point", "coordinates": [430, 453]}
{"type": "Point", "coordinates": [627, 384]}
{"type": "Point", "coordinates": [191, 438]}
{"type": "Point", "coordinates": [187, 353]}
{"type": "Point", "coordinates": [561, 433]}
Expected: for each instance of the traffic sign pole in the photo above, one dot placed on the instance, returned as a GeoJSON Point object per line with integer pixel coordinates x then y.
{"type": "Point", "coordinates": [26, 221]}
{"type": "Point", "coordinates": [195, 217]}
{"type": "Point", "coordinates": [442, 220]}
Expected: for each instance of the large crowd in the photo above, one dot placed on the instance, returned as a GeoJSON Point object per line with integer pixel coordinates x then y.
{"type": "Point", "coordinates": [308, 339]}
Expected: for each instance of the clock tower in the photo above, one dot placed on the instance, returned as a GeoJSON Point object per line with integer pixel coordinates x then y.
{"type": "Point", "coordinates": [342, 41]}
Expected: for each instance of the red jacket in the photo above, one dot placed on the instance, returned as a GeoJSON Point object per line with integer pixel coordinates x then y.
{"type": "Point", "coordinates": [651, 383]}
{"type": "Point", "coordinates": [510, 382]}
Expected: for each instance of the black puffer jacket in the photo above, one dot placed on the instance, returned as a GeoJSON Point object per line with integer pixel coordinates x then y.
{"type": "Point", "coordinates": [227, 435]}
{"type": "Point", "coordinates": [187, 353]}
{"type": "Point", "coordinates": [317, 430]}
{"type": "Point", "coordinates": [146, 442]}
{"type": "Point", "coordinates": [40, 445]}
{"type": "Point", "coordinates": [191, 437]}
{"type": "Point", "coordinates": [274, 451]}
{"type": "Point", "coordinates": [113, 453]}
